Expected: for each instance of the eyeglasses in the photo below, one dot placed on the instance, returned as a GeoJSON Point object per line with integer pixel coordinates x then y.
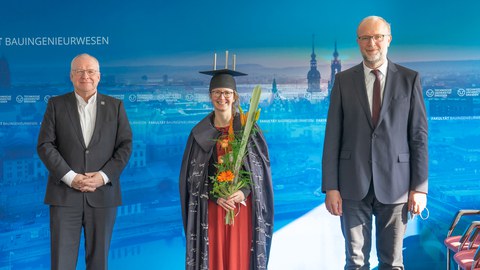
{"type": "Point", "coordinates": [218, 93]}
{"type": "Point", "coordinates": [80, 72]}
{"type": "Point", "coordinates": [376, 38]}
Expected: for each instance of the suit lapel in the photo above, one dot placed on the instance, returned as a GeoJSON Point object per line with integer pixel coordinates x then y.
{"type": "Point", "coordinates": [100, 118]}
{"type": "Point", "coordinates": [388, 91]}
{"type": "Point", "coordinates": [359, 80]}
{"type": "Point", "coordinates": [72, 110]}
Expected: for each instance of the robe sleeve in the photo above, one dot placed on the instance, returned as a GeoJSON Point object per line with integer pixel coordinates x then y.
{"type": "Point", "coordinates": [183, 181]}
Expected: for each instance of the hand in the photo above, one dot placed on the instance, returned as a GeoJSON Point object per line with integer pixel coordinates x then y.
{"type": "Point", "coordinates": [237, 197]}
{"type": "Point", "coordinates": [78, 182]}
{"type": "Point", "coordinates": [229, 203]}
{"type": "Point", "coordinates": [417, 201]}
{"type": "Point", "coordinates": [226, 204]}
{"type": "Point", "coordinates": [87, 182]}
{"type": "Point", "coordinates": [333, 202]}
{"type": "Point", "coordinates": [94, 180]}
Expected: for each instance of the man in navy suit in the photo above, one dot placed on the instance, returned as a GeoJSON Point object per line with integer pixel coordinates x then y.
{"type": "Point", "coordinates": [85, 141]}
{"type": "Point", "coordinates": [375, 157]}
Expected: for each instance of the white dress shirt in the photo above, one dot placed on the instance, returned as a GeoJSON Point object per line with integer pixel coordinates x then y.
{"type": "Point", "coordinates": [87, 112]}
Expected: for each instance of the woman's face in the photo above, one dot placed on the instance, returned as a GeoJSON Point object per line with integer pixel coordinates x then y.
{"type": "Point", "coordinates": [222, 99]}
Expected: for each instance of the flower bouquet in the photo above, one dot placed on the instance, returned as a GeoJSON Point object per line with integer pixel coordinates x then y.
{"type": "Point", "coordinates": [230, 177]}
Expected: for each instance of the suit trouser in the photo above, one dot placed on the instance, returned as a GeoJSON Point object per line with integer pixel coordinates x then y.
{"type": "Point", "coordinates": [65, 230]}
{"type": "Point", "coordinates": [390, 222]}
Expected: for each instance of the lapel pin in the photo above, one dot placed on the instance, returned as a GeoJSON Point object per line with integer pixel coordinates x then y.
{"type": "Point", "coordinates": [102, 102]}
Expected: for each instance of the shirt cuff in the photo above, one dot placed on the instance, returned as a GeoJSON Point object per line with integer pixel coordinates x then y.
{"type": "Point", "coordinates": [105, 177]}
{"type": "Point", "coordinates": [68, 178]}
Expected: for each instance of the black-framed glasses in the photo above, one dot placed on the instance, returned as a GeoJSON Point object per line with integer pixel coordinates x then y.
{"type": "Point", "coordinates": [219, 93]}
{"type": "Point", "coordinates": [80, 72]}
{"type": "Point", "coordinates": [375, 38]}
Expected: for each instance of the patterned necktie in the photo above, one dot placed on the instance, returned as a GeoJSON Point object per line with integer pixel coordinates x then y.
{"type": "Point", "coordinates": [376, 102]}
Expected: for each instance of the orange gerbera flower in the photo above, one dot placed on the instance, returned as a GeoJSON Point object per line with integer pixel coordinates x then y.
{"type": "Point", "coordinates": [225, 176]}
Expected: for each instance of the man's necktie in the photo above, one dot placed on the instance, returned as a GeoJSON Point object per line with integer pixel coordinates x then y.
{"type": "Point", "coordinates": [376, 102]}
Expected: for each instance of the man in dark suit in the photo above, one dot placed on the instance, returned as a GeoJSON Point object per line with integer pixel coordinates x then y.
{"type": "Point", "coordinates": [375, 158]}
{"type": "Point", "coordinates": [85, 141]}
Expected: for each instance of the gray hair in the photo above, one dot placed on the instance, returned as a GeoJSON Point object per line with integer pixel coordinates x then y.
{"type": "Point", "coordinates": [373, 17]}
{"type": "Point", "coordinates": [84, 55]}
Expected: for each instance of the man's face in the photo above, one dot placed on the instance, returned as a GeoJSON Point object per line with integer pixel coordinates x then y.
{"type": "Point", "coordinates": [85, 75]}
{"type": "Point", "coordinates": [374, 39]}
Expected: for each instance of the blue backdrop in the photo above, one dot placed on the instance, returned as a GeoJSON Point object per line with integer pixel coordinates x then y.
{"type": "Point", "coordinates": [150, 54]}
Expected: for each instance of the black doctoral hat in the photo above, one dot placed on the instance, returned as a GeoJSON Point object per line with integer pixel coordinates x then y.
{"type": "Point", "coordinates": [223, 78]}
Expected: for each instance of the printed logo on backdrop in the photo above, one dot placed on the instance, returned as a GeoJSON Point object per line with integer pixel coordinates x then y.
{"type": "Point", "coordinates": [472, 92]}
{"type": "Point", "coordinates": [132, 98]}
{"type": "Point", "coordinates": [171, 97]}
{"type": "Point", "coordinates": [144, 97]}
{"type": "Point", "coordinates": [430, 93]}
{"type": "Point", "coordinates": [19, 99]}
{"type": "Point", "coordinates": [438, 92]}
{"type": "Point", "coordinates": [27, 98]}
{"type": "Point", "coordinates": [449, 92]}
{"type": "Point", "coordinates": [189, 97]}
{"type": "Point", "coordinates": [147, 97]}
{"type": "Point", "coordinates": [5, 99]}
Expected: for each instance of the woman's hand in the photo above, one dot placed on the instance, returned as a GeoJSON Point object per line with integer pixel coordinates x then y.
{"type": "Point", "coordinates": [226, 204]}
{"type": "Point", "coordinates": [237, 197]}
{"type": "Point", "coordinates": [229, 203]}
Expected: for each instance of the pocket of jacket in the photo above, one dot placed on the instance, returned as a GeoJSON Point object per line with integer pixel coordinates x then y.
{"type": "Point", "coordinates": [400, 99]}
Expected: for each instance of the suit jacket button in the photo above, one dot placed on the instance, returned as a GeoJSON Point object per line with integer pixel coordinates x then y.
{"type": "Point", "coordinates": [87, 151]}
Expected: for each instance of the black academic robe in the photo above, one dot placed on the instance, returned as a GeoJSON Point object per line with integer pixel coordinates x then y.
{"type": "Point", "coordinates": [194, 193]}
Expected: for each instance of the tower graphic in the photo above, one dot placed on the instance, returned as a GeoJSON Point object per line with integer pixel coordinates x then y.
{"type": "Point", "coordinates": [335, 66]}
{"type": "Point", "coordinates": [274, 87]}
{"type": "Point", "coordinates": [313, 76]}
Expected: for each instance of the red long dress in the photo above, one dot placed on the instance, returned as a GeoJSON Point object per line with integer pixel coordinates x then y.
{"type": "Point", "coordinates": [229, 245]}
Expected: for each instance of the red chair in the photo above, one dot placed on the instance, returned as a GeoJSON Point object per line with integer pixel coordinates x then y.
{"type": "Point", "coordinates": [454, 243]}
{"type": "Point", "coordinates": [468, 259]}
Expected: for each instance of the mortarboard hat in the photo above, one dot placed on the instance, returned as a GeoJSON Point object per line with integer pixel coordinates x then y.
{"type": "Point", "coordinates": [223, 78]}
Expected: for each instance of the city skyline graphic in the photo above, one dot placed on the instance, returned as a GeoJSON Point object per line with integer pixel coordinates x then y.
{"type": "Point", "coordinates": [150, 56]}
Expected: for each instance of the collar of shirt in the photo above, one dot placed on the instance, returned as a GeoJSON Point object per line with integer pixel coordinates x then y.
{"type": "Point", "coordinates": [383, 70]}
{"type": "Point", "coordinates": [82, 102]}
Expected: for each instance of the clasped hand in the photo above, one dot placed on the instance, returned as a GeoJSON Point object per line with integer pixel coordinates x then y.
{"type": "Point", "coordinates": [87, 182]}
{"type": "Point", "coordinates": [229, 203]}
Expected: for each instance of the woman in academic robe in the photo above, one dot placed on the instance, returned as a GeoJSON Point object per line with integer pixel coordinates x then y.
{"type": "Point", "coordinates": [210, 243]}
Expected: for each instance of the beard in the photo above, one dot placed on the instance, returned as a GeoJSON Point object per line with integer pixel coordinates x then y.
{"type": "Point", "coordinates": [373, 60]}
